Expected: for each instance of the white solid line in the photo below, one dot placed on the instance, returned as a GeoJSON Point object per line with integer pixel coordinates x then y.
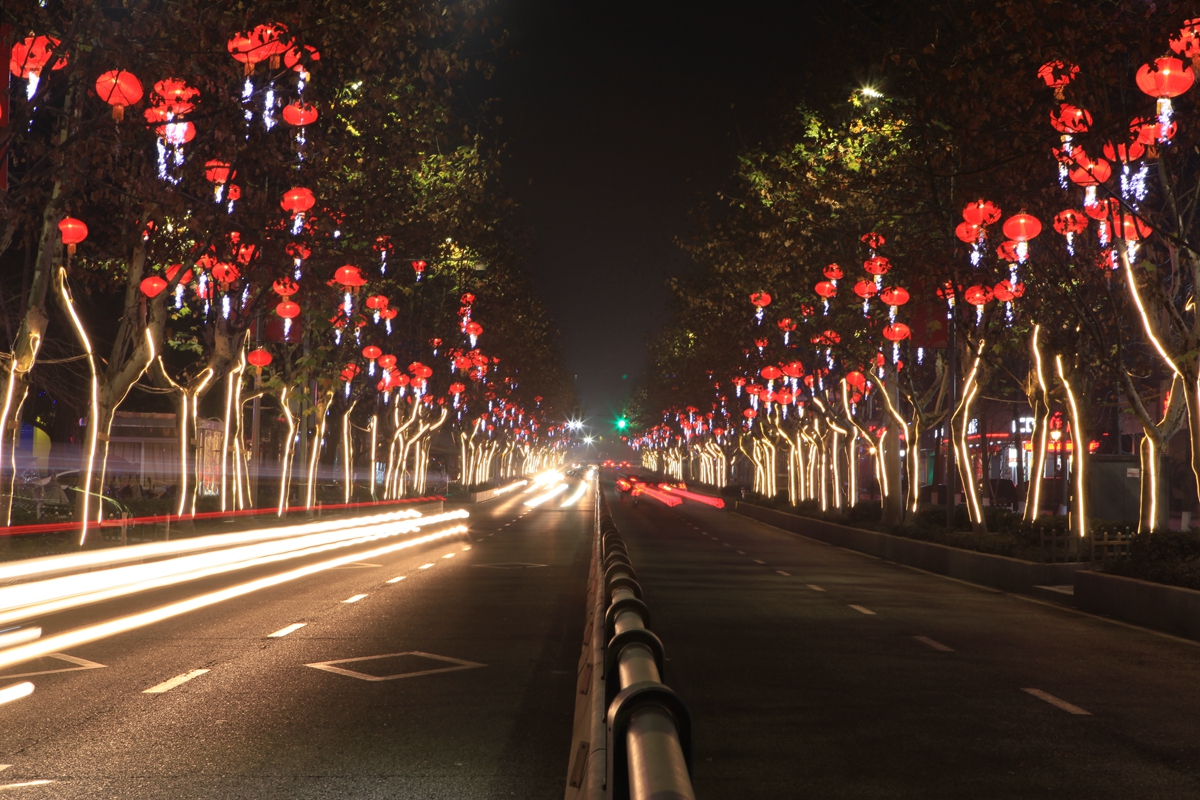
{"type": "Point", "coordinates": [815, 588]}
{"type": "Point", "coordinates": [15, 692]}
{"type": "Point", "coordinates": [863, 610]}
{"type": "Point", "coordinates": [167, 686]}
{"type": "Point", "coordinates": [282, 632]}
{"type": "Point", "coordinates": [933, 644]}
{"type": "Point", "coordinates": [756, 561]}
{"type": "Point", "coordinates": [397, 579]}
{"type": "Point", "coordinates": [23, 784]}
{"type": "Point", "coordinates": [1054, 701]}
{"type": "Point", "coordinates": [425, 566]}
{"type": "Point", "coordinates": [354, 598]}
{"type": "Point", "coordinates": [784, 574]}
{"type": "Point", "coordinates": [449, 555]}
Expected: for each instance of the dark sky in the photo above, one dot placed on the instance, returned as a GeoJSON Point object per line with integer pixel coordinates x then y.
{"type": "Point", "coordinates": [619, 117]}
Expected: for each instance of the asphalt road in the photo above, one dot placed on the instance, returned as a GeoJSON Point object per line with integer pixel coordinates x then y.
{"type": "Point", "coordinates": [817, 672]}
{"type": "Point", "coordinates": [493, 622]}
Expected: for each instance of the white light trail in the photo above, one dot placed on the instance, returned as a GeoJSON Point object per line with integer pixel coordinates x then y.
{"type": "Point", "coordinates": [91, 633]}
{"type": "Point", "coordinates": [573, 499]}
{"type": "Point", "coordinates": [541, 498]}
{"type": "Point", "coordinates": [15, 692]}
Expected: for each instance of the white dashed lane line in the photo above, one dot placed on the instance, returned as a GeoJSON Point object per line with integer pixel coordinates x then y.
{"type": "Point", "coordinates": [756, 561]}
{"type": "Point", "coordinates": [450, 555]}
{"type": "Point", "coordinates": [282, 632]}
{"type": "Point", "coordinates": [935, 645]}
{"type": "Point", "coordinates": [178, 680]}
{"type": "Point", "coordinates": [425, 566]}
{"type": "Point", "coordinates": [397, 579]}
{"type": "Point", "coordinates": [354, 598]}
{"type": "Point", "coordinates": [740, 552]}
{"type": "Point", "coordinates": [1058, 702]}
{"type": "Point", "coordinates": [862, 610]}
{"type": "Point", "coordinates": [784, 574]}
{"type": "Point", "coordinates": [815, 588]}
{"type": "Point", "coordinates": [23, 784]}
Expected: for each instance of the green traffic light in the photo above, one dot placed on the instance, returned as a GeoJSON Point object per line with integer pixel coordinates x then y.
{"type": "Point", "coordinates": [622, 423]}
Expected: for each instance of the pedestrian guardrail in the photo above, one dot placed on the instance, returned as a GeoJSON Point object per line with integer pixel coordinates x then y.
{"type": "Point", "coordinates": [633, 734]}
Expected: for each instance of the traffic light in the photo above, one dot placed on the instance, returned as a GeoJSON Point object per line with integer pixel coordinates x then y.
{"type": "Point", "coordinates": [622, 423]}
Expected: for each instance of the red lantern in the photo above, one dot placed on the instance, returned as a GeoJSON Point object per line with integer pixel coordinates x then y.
{"type": "Point", "coordinates": [760, 299]}
{"type": "Point", "coordinates": [833, 272]}
{"type": "Point", "coordinates": [1102, 209]}
{"type": "Point", "coordinates": [872, 240]}
{"type": "Point", "coordinates": [1070, 221]}
{"type": "Point", "coordinates": [349, 276]}
{"type": "Point", "coordinates": [1007, 251]}
{"type": "Point", "coordinates": [857, 380]}
{"type": "Point", "coordinates": [285, 287]}
{"type": "Point", "coordinates": [865, 289]}
{"type": "Point", "coordinates": [1057, 74]}
{"type": "Point", "coordinates": [225, 273]}
{"type": "Point", "coordinates": [1149, 131]}
{"type": "Point", "coordinates": [153, 286]}
{"type": "Point", "coordinates": [297, 200]}
{"type": "Point", "coordinates": [826, 289]}
{"type": "Point", "coordinates": [176, 96]}
{"type": "Point", "coordinates": [349, 371]}
{"type": "Point", "coordinates": [967, 232]}
{"type": "Point", "coordinates": [1167, 78]}
{"type": "Point", "coordinates": [786, 325]}
{"type": "Point", "coordinates": [749, 413]}
{"type": "Point", "coordinates": [894, 296]}
{"type": "Point", "coordinates": [377, 302]}
{"type": "Point", "coordinates": [784, 397]}
{"type": "Point", "coordinates": [467, 299]}
{"type": "Point", "coordinates": [770, 372]}
{"type": "Point", "coordinates": [1068, 119]}
{"type": "Point", "coordinates": [259, 358]}
{"type": "Point", "coordinates": [1090, 173]}
{"type": "Point", "coordinates": [473, 329]}
{"type": "Point", "coordinates": [420, 370]}
{"type": "Point", "coordinates": [827, 338]}
{"type": "Point", "coordinates": [896, 332]}
{"type": "Point", "coordinates": [294, 57]}
{"type": "Point", "coordinates": [977, 295]}
{"type": "Point", "coordinates": [793, 369]}
{"type": "Point", "coordinates": [298, 114]}
{"type": "Point", "coordinates": [1022, 227]}
{"type": "Point", "coordinates": [1124, 152]}
{"type": "Point", "coordinates": [389, 313]}
{"type": "Point", "coordinates": [119, 89]}
{"type": "Point", "coordinates": [371, 352]}
{"type": "Point", "coordinates": [877, 265]}
{"type": "Point", "coordinates": [29, 57]}
{"type": "Point", "coordinates": [73, 232]}
{"type": "Point", "coordinates": [173, 270]}
{"type": "Point", "coordinates": [981, 212]}
{"type": "Point", "coordinates": [1131, 228]}
{"type": "Point", "coordinates": [287, 309]}
{"type": "Point", "coordinates": [457, 388]}
{"type": "Point", "coordinates": [419, 268]}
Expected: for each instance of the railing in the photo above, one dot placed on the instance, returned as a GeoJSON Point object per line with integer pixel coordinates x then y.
{"type": "Point", "coordinates": [645, 726]}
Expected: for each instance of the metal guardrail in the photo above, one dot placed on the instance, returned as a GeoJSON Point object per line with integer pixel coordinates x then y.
{"type": "Point", "coordinates": [644, 725]}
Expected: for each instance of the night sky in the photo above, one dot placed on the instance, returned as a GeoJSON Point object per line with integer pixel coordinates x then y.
{"type": "Point", "coordinates": [619, 118]}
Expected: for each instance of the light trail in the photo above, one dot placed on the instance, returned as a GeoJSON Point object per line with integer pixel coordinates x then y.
{"type": "Point", "coordinates": [541, 498]}
{"type": "Point", "coordinates": [15, 692]}
{"type": "Point", "coordinates": [59, 564]}
{"type": "Point", "coordinates": [574, 498]}
{"type": "Point", "coordinates": [715, 502]}
{"type": "Point", "coordinates": [24, 601]}
{"type": "Point", "coordinates": [91, 633]}
{"type": "Point", "coordinates": [662, 497]}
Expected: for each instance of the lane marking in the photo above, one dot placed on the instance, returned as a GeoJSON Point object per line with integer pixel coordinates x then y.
{"type": "Point", "coordinates": [725, 544]}
{"type": "Point", "coordinates": [425, 566]}
{"type": "Point", "coordinates": [740, 552]}
{"type": "Point", "coordinates": [23, 784]}
{"type": "Point", "coordinates": [354, 598]}
{"type": "Point", "coordinates": [80, 665]}
{"type": "Point", "coordinates": [178, 680]}
{"type": "Point", "coordinates": [466, 547]}
{"type": "Point", "coordinates": [784, 574]}
{"type": "Point", "coordinates": [756, 561]}
{"type": "Point", "coordinates": [933, 644]}
{"type": "Point", "coordinates": [397, 579]}
{"type": "Point", "coordinates": [457, 664]}
{"type": "Point", "coordinates": [1054, 701]}
{"type": "Point", "coordinates": [282, 632]}
{"type": "Point", "coordinates": [449, 555]}
{"type": "Point", "coordinates": [860, 609]}
{"type": "Point", "coordinates": [4, 767]}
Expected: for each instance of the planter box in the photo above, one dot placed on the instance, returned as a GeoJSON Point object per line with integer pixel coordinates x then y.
{"type": "Point", "coordinates": [998, 572]}
{"type": "Point", "coordinates": [1172, 609]}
